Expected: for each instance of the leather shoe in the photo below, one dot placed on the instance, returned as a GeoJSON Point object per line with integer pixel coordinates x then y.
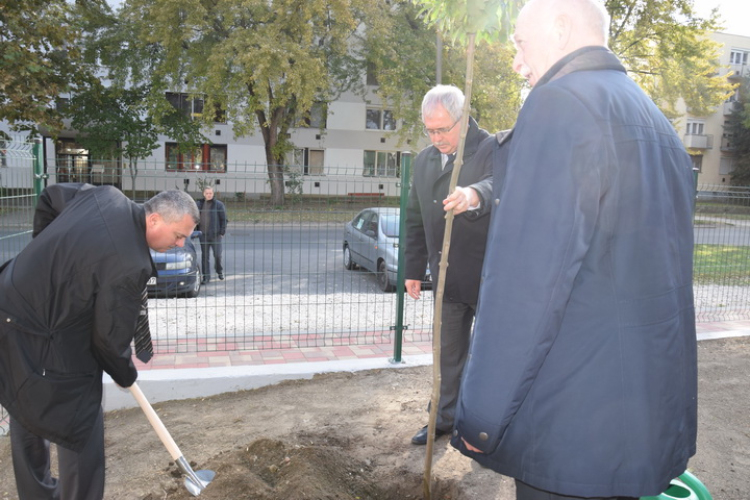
{"type": "Point", "coordinates": [420, 437]}
{"type": "Point", "coordinates": [221, 276]}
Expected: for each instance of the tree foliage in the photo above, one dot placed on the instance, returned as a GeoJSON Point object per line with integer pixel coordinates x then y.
{"type": "Point", "coordinates": [40, 59]}
{"type": "Point", "coordinates": [264, 62]}
{"type": "Point", "coordinates": [738, 131]}
{"type": "Point", "coordinates": [404, 76]}
{"type": "Point", "coordinates": [665, 47]}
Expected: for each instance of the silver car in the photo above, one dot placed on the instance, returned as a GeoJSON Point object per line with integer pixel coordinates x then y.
{"type": "Point", "coordinates": [371, 242]}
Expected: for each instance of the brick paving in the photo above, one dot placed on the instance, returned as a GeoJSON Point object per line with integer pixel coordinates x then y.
{"type": "Point", "coordinates": [227, 357]}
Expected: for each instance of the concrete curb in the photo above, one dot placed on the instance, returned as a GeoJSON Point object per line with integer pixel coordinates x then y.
{"type": "Point", "coordinates": [187, 383]}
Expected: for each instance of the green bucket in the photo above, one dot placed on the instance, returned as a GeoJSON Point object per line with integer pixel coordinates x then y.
{"type": "Point", "coordinates": [685, 487]}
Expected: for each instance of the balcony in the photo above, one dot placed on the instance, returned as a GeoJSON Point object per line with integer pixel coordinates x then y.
{"type": "Point", "coordinates": [730, 107]}
{"type": "Point", "coordinates": [695, 141]}
{"type": "Point", "coordinates": [739, 71]}
{"type": "Point", "coordinates": [726, 145]}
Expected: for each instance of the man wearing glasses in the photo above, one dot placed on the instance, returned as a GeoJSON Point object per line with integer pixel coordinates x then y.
{"type": "Point", "coordinates": [429, 199]}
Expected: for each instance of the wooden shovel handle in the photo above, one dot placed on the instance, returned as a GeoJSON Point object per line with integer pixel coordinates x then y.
{"type": "Point", "coordinates": [156, 422]}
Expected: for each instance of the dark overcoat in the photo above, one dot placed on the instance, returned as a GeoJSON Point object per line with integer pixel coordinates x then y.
{"type": "Point", "coordinates": [425, 220]}
{"type": "Point", "coordinates": [69, 303]}
{"type": "Point", "coordinates": [582, 377]}
{"type": "Point", "coordinates": [218, 220]}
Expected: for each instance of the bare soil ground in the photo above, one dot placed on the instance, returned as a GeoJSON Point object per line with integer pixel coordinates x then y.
{"type": "Point", "coordinates": [346, 436]}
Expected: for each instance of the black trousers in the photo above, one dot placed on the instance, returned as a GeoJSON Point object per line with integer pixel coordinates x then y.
{"type": "Point", "coordinates": [81, 474]}
{"type": "Point", "coordinates": [457, 321]}
{"type": "Point", "coordinates": [215, 247]}
{"type": "Point", "coordinates": [526, 492]}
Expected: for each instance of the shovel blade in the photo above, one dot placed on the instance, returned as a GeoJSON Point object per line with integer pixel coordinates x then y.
{"type": "Point", "coordinates": [195, 482]}
{"type": "Point", "coordinates": [198, 480]}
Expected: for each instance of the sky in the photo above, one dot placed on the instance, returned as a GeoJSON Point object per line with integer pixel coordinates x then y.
{"type": "Point", "coordinates": [735, 14]}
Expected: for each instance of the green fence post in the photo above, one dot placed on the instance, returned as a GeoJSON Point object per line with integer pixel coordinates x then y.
{"type": "Point", "coordinates": [398, 338]}
{"type": "Point", "coordinates": [39, 175]}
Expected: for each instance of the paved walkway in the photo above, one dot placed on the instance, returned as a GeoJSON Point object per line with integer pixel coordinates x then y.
{"type": "Point", "coordinates": [220, 359]}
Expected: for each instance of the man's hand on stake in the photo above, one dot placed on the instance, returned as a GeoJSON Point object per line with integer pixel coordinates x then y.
{"type": "Point", "coordinates": [461, 200]}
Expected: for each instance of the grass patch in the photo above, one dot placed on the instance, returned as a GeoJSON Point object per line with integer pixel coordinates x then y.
{"type": "Point", "coordinates": [721, 265]}
{"type": "Point", "coordinates": [318, 210]}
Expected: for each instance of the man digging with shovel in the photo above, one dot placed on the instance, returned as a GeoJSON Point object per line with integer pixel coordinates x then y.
{"type": "Point", "coordinates": [70, 304]}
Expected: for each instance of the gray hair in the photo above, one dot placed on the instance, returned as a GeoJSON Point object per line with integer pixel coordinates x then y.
{"type": "Point", "coordinates": [173, 205]}
{"type": "Point", "coordinates": [449, 97]}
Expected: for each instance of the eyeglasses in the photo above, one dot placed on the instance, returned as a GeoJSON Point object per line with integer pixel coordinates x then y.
{"type": "Point", "coordinates": [440, 131]}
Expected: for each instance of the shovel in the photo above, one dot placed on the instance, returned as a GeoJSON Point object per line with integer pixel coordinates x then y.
{"type": "Point", "coordinates": [195, 482]}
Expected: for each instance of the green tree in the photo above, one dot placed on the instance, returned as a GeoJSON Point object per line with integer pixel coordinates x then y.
{"type": "Point", "coordinates": [666, 49]}
{"type": "Point", "coordinates": [113, 122]}
{"type": "Point", "coordinates": [739, 136]}
{"type": "Point", "coordinates": [405, 75]}
{"type": "Point", "coordinates": [40, 59]}
{"type": "Point", "coordinates": [265, 63]}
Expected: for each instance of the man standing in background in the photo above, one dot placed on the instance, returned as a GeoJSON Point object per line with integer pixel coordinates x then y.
{"type": "Point", "coordinates": [213, 225]}
{"type": "Point", "coordinates": [442, 108]}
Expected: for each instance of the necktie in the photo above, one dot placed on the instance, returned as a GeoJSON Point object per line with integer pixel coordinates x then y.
{"type": "Point", "coordinates": [144, 350]}
{"type": "Point", "coordinates": [449, 162]}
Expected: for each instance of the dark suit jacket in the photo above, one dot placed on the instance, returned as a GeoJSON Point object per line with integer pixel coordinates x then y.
{"type": "Point", "coordinates": [69, 303]}
{"type": "Point", "coordinates": [425, 220]}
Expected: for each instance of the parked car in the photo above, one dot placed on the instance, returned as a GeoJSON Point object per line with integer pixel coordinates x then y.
{"type": "Point", "coordinates": [178, 271]}
{"type": "Point", "coordinates": [371, 242]}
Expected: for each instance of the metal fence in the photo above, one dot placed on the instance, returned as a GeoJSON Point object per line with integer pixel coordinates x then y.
{"type": "Point", "coordinates": [286, 284]}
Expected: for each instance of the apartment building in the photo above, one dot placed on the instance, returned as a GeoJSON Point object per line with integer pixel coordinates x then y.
{"type": "Point", "coordinates": [709, 144]}
{"type": "Point", "coordinates": [353, 138]}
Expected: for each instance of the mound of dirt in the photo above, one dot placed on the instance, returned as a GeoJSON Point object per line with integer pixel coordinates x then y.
{"type": "Point", "coordinates": [273, 470]}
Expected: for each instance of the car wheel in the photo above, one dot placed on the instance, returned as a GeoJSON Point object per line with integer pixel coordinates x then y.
{"type": "Point", "coordinates": [383, 280]}
{"type": "Point", "coordinates": [348, 264]}
{"type": "Point", "coordinates": [196, 287]}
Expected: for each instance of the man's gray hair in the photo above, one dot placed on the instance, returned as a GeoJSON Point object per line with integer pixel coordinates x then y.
{"type": "Point", "coordinates": [173, 205]}
{"type": "Point", "coordinates": [449, 97]}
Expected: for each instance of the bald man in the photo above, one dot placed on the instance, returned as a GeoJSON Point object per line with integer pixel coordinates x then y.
{"type": "Point", "coordinates": [582, 375]}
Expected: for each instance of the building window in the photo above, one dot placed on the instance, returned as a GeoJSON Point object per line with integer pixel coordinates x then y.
{"type": "Point", "coordinates": [738, 57]}
{"type": "Point", "coordinates": [62, 104]}
{"type": "Point", "coordinates": [725, 165]}
{"type": "Point", "coordinates": [380, 119]}
{"type": "Point", "coordinates": [306, 161]}
{"type": "Point", "coordinates": [206, 158]}
{"type": "Point", "coordinates": [382, 163]}
{"type": "Point", "coordinates": [192, 107]}
{"type": "Point", "coordinates": [697, 162]}
{"type": "Point", "coordinates": [318, 116]}
{"type": "Point", "coordinates": [372, 74]}
{"type": "Point", "coordinates": [694, 127]}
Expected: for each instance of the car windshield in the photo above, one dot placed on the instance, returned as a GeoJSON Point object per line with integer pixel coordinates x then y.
{"type": "Point", "coordinates": [389, 223]}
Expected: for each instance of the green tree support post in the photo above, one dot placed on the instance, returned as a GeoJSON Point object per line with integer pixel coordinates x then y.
{"type": "Point", "coordinates": [40, 176]}
{"type": "Point", "coordinates": [398, 339]}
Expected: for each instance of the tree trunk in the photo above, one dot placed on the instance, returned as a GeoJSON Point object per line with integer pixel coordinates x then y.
{"type": "Point", "coordinates": [437, 323]}
{"type": "Point", "coordinates": [133, 167]}
{"type": "Point", "coordinates": [276, 178]}
{"type": "Point", "coordinates": [275, 165]}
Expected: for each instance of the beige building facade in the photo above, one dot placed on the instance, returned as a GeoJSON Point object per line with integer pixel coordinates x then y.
{"type": "Point", "coordinates": [706, 137]}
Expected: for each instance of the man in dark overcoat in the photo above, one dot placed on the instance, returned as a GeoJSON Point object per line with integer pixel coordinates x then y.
{"type": "Point", "coordinates": [213, 226]}
{"type": "Point", "coordinates": [69, 306]}
{"type": "Point", "coordinates": [442, 108]}
{"type": "Point", "coordinates": [582, 377]}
